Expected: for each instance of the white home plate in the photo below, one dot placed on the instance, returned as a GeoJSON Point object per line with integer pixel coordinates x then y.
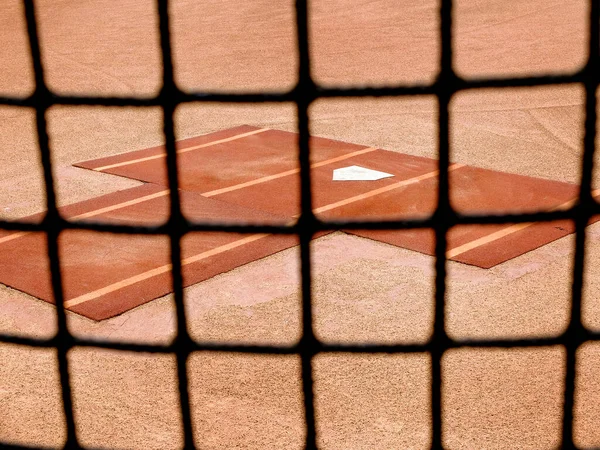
{"type": "Point", "coordinates": [357, 173]}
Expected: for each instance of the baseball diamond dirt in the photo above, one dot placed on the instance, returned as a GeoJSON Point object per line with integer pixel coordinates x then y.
{"type": "Point", "coordinates": [364, 290]}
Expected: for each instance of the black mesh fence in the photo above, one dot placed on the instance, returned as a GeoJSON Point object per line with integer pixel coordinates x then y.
{"type": "Point", "coordinates": [303, 94]}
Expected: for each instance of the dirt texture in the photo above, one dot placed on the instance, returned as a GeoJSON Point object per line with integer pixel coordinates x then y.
{"type": "Point", "coordinates": [363, 290]}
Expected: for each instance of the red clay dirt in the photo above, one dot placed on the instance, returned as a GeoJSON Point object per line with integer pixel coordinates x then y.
{"type": "Point", "coordinates": [265, 177]}
{"type": "Point", "coordinates": [107, 274]}
{"type": "Point", "coordinates": [253, 174]}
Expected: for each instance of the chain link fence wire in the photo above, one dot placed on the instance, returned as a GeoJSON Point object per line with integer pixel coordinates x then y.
{"type": "Point", "coordinates": [303, 94]}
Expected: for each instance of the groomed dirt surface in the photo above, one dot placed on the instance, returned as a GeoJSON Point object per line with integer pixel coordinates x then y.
{"type": "Point", "coordinates": [363, 290]}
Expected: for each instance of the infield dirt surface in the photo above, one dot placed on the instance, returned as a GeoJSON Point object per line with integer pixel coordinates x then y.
{"type": "Point", "coordinates": [364, 291]}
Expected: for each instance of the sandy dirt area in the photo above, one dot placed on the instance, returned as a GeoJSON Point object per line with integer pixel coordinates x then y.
{"type": "Point", "coordinates": [363, 290]}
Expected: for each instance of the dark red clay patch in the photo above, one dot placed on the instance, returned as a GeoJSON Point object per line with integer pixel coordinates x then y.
{"type": "Point", "coordinates": [107, 274]}
{"type": "Point", "coordinates": [250, 175]}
